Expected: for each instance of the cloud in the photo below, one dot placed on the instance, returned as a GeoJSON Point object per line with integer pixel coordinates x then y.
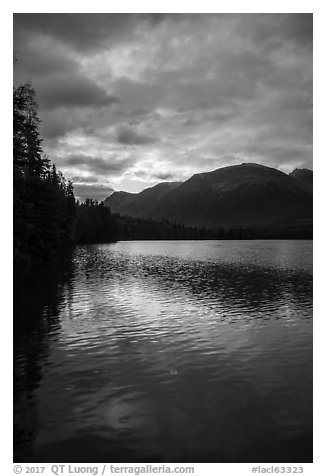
{"type": "Point", "coordinates": [98, 165]}
{"type": "Point", "coordinates": [56, 124]}
{"type": "Point", "coordinates": [50, 59]}
{"type": "Point", "coordinates": [164, 176]}
{"type": "Point", "coordinates": [144, 97]}
{"type": "Point", "coordinates": [72, 91]}
{"type": "Point", "coordinates": [80, 31]}
{"type": "Point", "coordinates": [95, 191]}
{"type": "Point", "coordinates": [86, 32]}
{"type": "Point", "coordinates": [155, 175]}
{"type": "Point", "coordinates": [276, 28]}
{"type": "Point", "coordinates": [129, 136]}
{"type": "Point", "coordinates": [84, 179]}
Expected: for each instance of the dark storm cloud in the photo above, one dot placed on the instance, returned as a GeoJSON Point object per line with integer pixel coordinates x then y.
{"type": "Point", "coordinates": [73, 91]}
{"type": "Point", "coordinates": [56, 123]}
{"type": "Point", "coordinates": [54, 128]}
{"type": "Point", "coordinates": [156, 176]}
{"type": "Point", "coordinates": [80, 30]}
{"type": "Point", "coordinates": [141, 95]}
{"type": "Point", "coordinates": [300, 28]}
{"type": "Point", "coordinates": [274, 28]}
{"type": "Point", "coordinates": [46, 62]}
{"type": "Point", "coordinates": [129, 136]}
{"type": "Point", "coordinates": [99, 165]}
{"type": "Point", "coordinates": [165, 176]}
{"type": "Point", "coordinates": [84, 31]}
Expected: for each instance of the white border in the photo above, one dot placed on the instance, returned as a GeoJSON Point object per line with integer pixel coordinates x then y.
{"type": "Point", "coordinates": [316, 7]}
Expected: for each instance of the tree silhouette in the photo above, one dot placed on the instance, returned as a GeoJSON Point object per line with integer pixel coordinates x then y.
{"type": "Point", "coordinates": [44, 204]}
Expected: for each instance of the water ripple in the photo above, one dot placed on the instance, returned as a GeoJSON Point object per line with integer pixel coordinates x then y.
{"type": "Point", "coordinates": [168, 351]}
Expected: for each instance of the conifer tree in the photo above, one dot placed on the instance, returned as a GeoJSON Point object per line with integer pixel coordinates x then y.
{"type": "Point", "coordinates": [44, 205]}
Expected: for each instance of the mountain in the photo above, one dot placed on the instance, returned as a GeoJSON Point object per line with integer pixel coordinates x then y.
{"type": "Point", "coordinates": [305, 177]}
{"type": "Point", "coordinates": [140, 204]}
{"type": "Point", "coordinates": [110, 191]}
{"type": "Point", "coordinates": [247, 195]}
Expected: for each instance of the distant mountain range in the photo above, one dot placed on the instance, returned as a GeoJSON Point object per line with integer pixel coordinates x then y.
{"type": "Point", "coordinates": [247, 195]}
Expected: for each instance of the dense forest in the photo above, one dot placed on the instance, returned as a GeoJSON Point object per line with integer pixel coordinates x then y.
{"type": "Point", "coordinates": [131, 228]}
{"type": "Point", "coordinates": [44, 202]}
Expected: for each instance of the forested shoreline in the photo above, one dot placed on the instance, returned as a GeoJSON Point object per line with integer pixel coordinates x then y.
{"type": "Point", "coordinates": [43, 201]}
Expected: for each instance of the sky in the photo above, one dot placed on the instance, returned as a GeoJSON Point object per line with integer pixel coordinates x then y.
{"type": "Point", "coordinates": [130, 100]}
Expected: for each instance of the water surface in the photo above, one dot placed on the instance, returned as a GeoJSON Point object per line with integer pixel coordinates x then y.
{"type": "Point", "coordinates": [166, 352]}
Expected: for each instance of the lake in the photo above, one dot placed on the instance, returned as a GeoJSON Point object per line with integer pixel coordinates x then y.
{"type": "Point", "coordinates": [166, 351]}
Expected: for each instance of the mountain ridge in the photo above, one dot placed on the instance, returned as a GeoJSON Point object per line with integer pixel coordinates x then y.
{"type": "Point", "coordinates": [239, 195]}
{"type": "Point", "coordinates": [145, 200]}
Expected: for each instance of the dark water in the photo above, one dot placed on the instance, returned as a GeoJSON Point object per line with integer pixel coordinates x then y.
{"type": "Point", "coordinates": [166, 352]}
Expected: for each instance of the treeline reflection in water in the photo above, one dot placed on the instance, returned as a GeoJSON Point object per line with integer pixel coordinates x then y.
{"type": "Point", "coordinates": [38, 294]}
{"type": "Point", "coordinates": [145, 352]}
